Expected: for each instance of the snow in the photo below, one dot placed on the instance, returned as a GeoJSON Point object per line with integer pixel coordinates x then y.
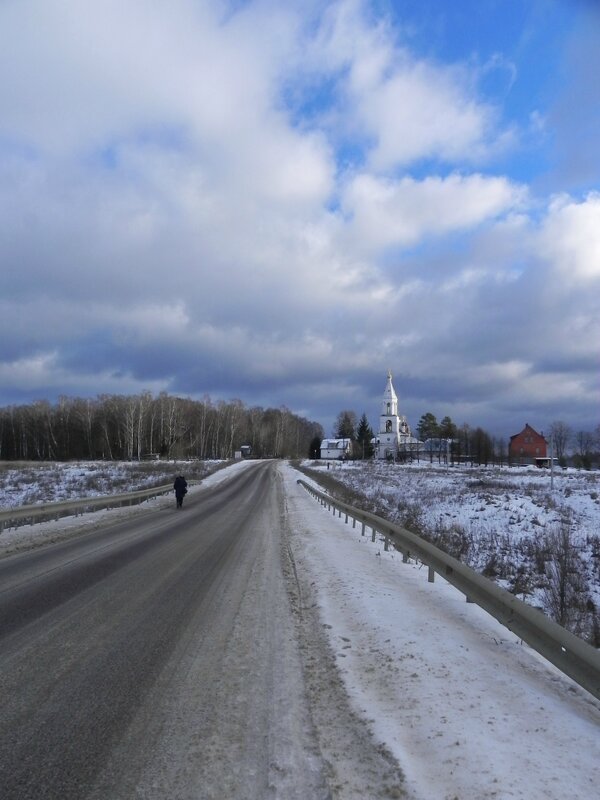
{"type": "Point", "coordinates": [502, 514]}
{"type": "Point", "coordinates": [467, 710]}
{"type": "Point", "coordinates": [49, 482]}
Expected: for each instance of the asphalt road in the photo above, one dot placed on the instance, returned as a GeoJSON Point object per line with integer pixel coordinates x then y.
{"type": "Point", "coordinates": [157, 658]}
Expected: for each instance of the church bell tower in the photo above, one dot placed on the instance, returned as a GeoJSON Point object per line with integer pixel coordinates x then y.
{"type": "Point", "coordinates": [393, 428]}
{"type": "Point", "coordinates": [388, 420]}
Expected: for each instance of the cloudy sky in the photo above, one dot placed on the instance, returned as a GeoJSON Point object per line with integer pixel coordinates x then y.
{"type": "Point", "coordinates": [279, 202]}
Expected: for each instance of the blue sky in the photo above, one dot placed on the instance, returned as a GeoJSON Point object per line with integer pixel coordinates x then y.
{"type": "Point", "coordinates": [280, 202]}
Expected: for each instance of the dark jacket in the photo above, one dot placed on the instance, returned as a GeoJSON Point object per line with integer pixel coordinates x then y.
{"type": "Point", "coordinates": [180, 485]}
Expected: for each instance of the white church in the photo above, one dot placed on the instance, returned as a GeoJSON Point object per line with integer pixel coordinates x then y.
{"type": "Point", "coordinates": [394, 439]}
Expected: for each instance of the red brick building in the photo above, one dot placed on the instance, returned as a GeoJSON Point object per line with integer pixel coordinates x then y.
{"type": "Point", "coordinates": [527, 447]}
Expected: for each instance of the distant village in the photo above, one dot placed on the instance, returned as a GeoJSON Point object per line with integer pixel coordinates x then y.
{"type": "Point", "coordinates": [445, 443]}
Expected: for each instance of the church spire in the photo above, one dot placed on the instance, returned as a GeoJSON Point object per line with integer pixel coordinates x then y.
{"type": "Point", "coordinates": [389, 403]}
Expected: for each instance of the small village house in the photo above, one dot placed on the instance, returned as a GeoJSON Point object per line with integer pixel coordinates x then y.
{"type": "Point", "coordinates": [339, 449]}
{"type": "Point", "coordinates": [528, 447]}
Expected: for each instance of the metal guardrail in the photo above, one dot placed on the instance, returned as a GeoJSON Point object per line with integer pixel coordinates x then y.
{"type": "Point", "coordinates": [41, 512]}
{"type": "Point", "coordinates": [577, 659]}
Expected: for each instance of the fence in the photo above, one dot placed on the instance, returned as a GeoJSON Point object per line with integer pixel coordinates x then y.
{"type": "Point", "coordinates": [577, 659]}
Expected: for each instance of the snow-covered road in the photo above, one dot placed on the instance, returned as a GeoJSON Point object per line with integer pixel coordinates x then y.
{"type": "Point", "coordinates": [468, 710]}
{"type": "Point", "coordinates": [170, 654]}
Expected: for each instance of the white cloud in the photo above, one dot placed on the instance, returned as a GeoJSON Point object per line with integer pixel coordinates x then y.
{"type": "Point", "coordinates": [386, 212]}
{"type": "Point", "coordinates": [407, 107]}
{"type": "Point", "coordinates": [422, 111]}
{"type": "Point", "coordinates": [29, 372]}
{"type": "Point", "coordinates": [474, 277]}
{"type": "Point", "coordinates": [570, 238]}
{"type": "Point", "coordinates": [499, 374]}
{"type": "Point", "coordinates": [110, 69]}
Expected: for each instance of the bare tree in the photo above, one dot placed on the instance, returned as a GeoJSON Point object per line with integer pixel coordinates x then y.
{"type": "Point", "coordinates": [561, 435]}
{"type": "Point", "coordinates": [255, 416]}
{"type": "Point", "coordinates": [481, 446]}
{"type": "Point", "coordinates": [128, 420]}
{"type": "Point", "coordinates": [234, 416]}
{"type": "Point", "coordinates": [566, 591]}
{"type": "Point", "coordinates": [280, 430]}
{"type": "Point", "coordinates": [584, 447]}
{"type": "Point", "coordinates": [80, 440]}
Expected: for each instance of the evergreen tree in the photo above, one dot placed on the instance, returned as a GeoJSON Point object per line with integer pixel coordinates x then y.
{"type": "Point", "coordinates": [364, 434]}
{"type": "Point", "coordinates": [448, 429]}
{"type": "Point", "coordinates": [346, 425]}
{"type": "Point", "coordinates": [314, 450]}
{"type": "Point", "coordinates": [428, 427]}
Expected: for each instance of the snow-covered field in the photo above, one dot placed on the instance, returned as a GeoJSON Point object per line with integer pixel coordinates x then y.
{"type": "Point", "coordinates": [503, 522]}
{"type": "Point", "coordinates": [32, 482]}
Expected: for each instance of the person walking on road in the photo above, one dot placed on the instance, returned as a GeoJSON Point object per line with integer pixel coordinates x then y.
{"type": "Point", "coordinates": [180, 487]}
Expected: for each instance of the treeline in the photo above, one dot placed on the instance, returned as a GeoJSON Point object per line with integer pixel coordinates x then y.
{"type": "Point", "coordinates": [126, 428]}
{"type": "Point", "coordinates": [583, 446]}
{"type": "Point", "coordinates": [446, 440]}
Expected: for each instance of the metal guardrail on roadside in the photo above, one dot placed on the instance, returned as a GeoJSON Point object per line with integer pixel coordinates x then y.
{"type": "Point", "coordinates": [42, 512]}
{"type": "Point", "coordinates": [577, 659]}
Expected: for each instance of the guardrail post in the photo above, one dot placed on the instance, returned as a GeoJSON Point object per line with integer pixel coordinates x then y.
{"type": "Point", "coordinates": [373, 535]}
{"type": "Point", "coordinates": [346, 520]}
{"type": "Point", "coordinates": [362, 530]}
{"type": "Point", "coordinates": [431, 575]}
{"type": "Point", "coordinates": [354, 522]}
{"type": "Point", "coordinates": [386, 543]}
{"type": "Point", "coordinates": [405, 556]}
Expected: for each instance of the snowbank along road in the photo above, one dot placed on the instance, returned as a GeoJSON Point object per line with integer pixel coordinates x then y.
{"type": "Point", "coordinates": [252, 646]}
